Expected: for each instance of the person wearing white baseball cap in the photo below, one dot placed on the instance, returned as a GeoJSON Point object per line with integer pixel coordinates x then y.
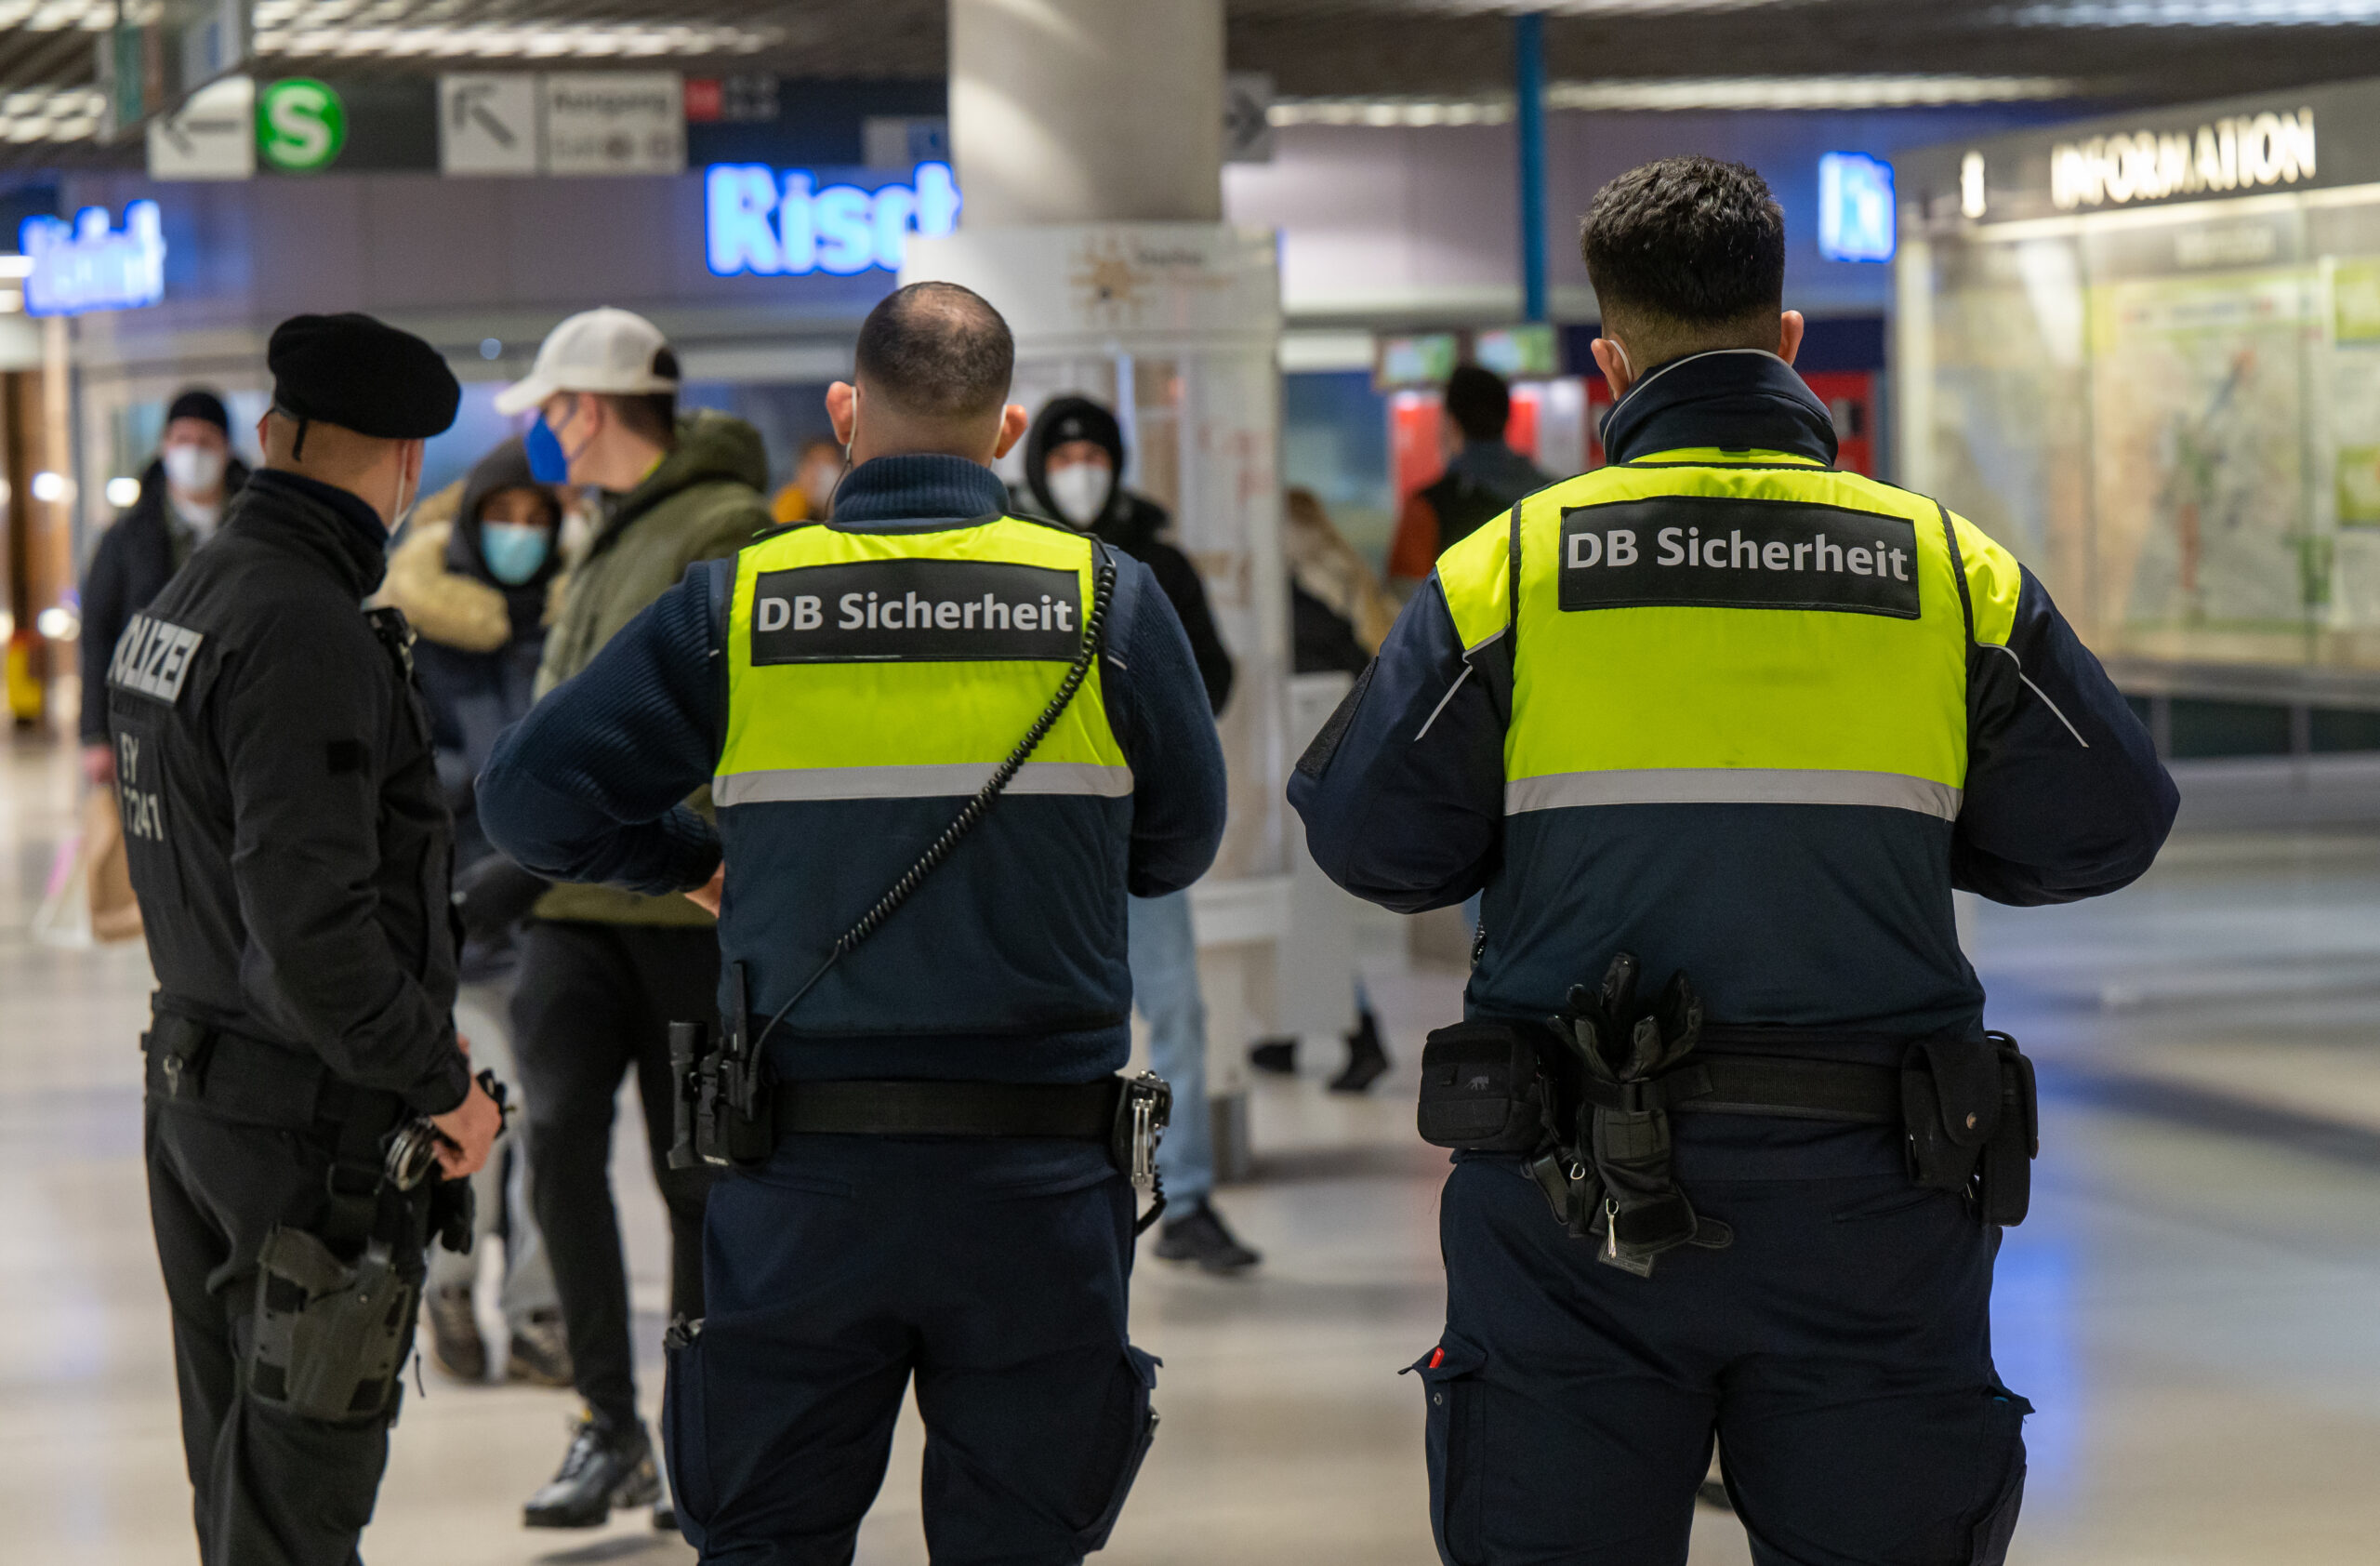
{"type": "Point", "coordinates": [604, 971]}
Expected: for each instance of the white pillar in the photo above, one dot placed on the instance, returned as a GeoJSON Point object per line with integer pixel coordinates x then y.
{"type": "Point", "coordinates": [1078, 111]}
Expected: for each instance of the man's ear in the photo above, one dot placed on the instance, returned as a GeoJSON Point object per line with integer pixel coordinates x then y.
{"type": "Point", "coordinates": [264, 432]}
{"type": "Point", "coordinates": [1612, 359]}
{"type": "Point", "coordinates": [842, 408]}
{"type": "Point", "coordinates": [411, 460]}
{"type": "Point", "coordinates": [1014, 421]}
{"type": "Point", "coordinates": [1788, 335]}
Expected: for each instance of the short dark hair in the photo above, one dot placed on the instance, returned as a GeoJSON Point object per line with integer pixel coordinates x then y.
{"type": "Point", "coordinates": [1479, 403]}
{"type": "Point", "coordinates": [653, 415]}
{"type": "Point", "coordinates": [1690, 240]}
{"type": "Point", "coordinates": [937, 351]}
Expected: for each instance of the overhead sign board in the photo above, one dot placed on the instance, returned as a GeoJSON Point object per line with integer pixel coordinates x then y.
{"type": "Point", "coordinates": [1248, 117]}
{"type": "Point", "coordinates": [89, 265]}
{"type": "Point", "coordinates": [770, 222]}
{"type": "Point", "coordinates": [487, 124]}
{"type": "Point", "coordinates": [212, 136]}
{"type": "Point", "coordinates": [1855, 210]}
{"type": "Point", "coordinates": [614, 122]}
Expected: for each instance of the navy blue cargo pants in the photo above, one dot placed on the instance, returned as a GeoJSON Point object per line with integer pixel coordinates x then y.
{"type": "Point", "coordinates": [994, 1272]}
{"type": "Point", "coordinates": [1840, 1350]}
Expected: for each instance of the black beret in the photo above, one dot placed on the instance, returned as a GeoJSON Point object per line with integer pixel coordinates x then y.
{"type": "Point", "coordinates": [363, 375]}
{"type": "Point", "coordinates": [199, 403]}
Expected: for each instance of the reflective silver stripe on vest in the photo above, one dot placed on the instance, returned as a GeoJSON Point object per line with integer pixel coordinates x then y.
{"type": "Point", "coordinates": [1732, 786]}
{"type": "Point", "coordinates": [917, 782]}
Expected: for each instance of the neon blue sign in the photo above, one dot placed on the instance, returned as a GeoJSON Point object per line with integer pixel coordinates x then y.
{"type": "Point", "coordinates": [770, 223]}
{"type": "Point", "coordinates": [88, 266]}
{"type": "Point", "coordinates": [1856, 211]}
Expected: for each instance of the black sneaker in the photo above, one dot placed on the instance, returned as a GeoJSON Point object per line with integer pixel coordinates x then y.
{"type": "Point", "coordinates": [1277, 1055]}
{"type": "Point", "coordinates": [1366, 1060]}
{"type": "Point", "coordinates": [604, 1468]}
{"type": "Point", "coordinates": [1199, 1236]}
{"type": "Point", "coordinates": [455, 1345]}
{"type": "Point", "coordinates": [540, 1353]}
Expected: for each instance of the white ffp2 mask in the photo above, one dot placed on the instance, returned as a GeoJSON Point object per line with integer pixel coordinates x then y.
{"type": "Point", "coordinates": [1080, 492]}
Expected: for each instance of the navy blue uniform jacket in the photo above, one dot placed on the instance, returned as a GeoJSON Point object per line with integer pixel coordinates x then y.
{"type": "Point", "coordinates": [589, 787]}
{"type": "Point", "coordinates": [1829, 917]}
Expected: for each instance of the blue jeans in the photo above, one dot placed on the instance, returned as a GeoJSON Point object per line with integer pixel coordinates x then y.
{"type": "Point", "coordinates": [1164, 953]}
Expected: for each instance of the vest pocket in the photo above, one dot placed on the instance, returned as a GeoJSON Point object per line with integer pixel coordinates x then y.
{"type": "Point", "coordinates": [1134, 1433]}
{"type": "Point", "coordinates": [1455, 1443]}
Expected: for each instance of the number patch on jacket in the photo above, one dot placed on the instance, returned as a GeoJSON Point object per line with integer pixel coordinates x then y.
{"type": "Point", "coordinates": [154, 657]}
{"type": "Point", "coordinates": [916, 610]}
{"type": "Point", "coordinates": [1721, 552]}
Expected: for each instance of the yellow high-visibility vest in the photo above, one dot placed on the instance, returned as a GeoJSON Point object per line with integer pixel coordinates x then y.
{"type": "Point", "coordinates": [908, 665]}
{"type": "Point", "coordinates": [1734, 627]}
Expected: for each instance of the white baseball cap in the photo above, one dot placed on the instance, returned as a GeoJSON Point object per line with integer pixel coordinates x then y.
{"type": "Point", "coordinates": [603, 350]}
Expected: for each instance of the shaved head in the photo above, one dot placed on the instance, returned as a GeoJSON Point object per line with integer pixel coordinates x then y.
{"type": "Point", "coordinates": [937, 353]}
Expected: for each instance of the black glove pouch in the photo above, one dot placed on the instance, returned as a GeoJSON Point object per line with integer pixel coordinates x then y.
{"type": "Point", "coordinates": [1969, 1109]}
{"type": "Point", "coordinates": [328, 1338]}
{"type": "Point", "coordinates": [1484, 1089]}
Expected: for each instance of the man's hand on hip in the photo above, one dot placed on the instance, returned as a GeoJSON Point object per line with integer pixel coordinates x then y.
{"type": "Point", "coordinates": [467, 1131]}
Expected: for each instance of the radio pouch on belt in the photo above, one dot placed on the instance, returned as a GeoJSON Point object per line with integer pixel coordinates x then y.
{"type": "Point", "coordinates": [1484, 1088]}
{"type": "Point", "coordinates": [1968, 1107]}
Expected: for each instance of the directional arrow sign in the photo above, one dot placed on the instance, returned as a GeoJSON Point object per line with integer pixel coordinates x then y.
{"type": "Point", "coordinates": [487, 124]}
{"type": "Point", "coordinates": [212, 136]}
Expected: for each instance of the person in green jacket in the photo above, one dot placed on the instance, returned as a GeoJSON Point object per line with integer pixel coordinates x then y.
{"type": "Point", "coordinates": [604, 973]}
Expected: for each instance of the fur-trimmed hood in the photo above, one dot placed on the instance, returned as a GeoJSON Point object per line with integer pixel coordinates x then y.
{"type": "Point", "coordinates": [446, 606]}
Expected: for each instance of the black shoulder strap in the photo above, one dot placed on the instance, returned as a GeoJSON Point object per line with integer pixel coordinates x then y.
{"type": "Point", "coordinates": [1512, 588]}
{"type": "Point", "coordinates": [1958, 571]}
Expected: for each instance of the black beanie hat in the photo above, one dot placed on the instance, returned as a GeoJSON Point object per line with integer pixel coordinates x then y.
{"type": "Point", "coordinates": [197, 402]}
{"type": "Point", "coordinates": [1063, 419]}
{"type": "Point", "coordinates": [362, 375]}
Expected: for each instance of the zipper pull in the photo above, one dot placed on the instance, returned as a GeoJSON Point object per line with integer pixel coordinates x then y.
{"type": "Point", "coordinates": [1611, 1228]}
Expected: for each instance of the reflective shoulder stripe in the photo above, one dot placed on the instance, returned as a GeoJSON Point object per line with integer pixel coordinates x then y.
{"type": "Point", "coordinates": [954, 780]}
{"type": "Point", "coordinates": [1731, 786]}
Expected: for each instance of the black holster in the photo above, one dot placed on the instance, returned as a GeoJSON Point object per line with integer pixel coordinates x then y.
{"type": "Point", "coordinates": [329, 1336]}
{"type": "Point", "coordinates": [1972, 1113]}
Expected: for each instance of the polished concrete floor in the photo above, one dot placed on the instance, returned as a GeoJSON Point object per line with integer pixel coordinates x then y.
{"type": "Point", "coordinates": [2194, 1308]}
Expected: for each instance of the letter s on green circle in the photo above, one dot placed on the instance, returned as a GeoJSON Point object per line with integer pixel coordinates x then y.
{"type": "Point", "coordinates": [301, 125]}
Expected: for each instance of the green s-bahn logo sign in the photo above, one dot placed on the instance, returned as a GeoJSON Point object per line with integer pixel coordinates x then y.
{"type": "Point", "coordinates": [301, 125]}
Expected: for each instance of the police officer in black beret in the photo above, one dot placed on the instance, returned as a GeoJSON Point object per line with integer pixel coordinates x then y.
{"type": "Point", "coordinates": [289, 846]}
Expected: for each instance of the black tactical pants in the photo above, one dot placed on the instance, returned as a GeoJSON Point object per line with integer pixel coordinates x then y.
{"type": "Point", "coordinates": [594, 1002]}
{"type": "Point", "coordinates": [272, 1489]}
{"type": "Point", "coordinates": [1840, 1350]}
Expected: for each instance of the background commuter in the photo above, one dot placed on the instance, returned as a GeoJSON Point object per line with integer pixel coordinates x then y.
{"type": "Point", "coordinates": [183, 493]}
{"type": "Point", "coordinates": [810, 494]}
{"type": "Point", "coordinates": [1483, 479]}
{"type": "Point", "coordinates": [1338, 615]}
{"type": "Point", "coordinates": [477, 577]}
{"type": "Point", "coordinates": [290, 845]}
{"type": "Point", "coordinates": [1074, 465]}
{"type": "Point", "coordinates": [603, 972]}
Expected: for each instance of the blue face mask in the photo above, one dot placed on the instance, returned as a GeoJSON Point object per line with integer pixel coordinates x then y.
{"type": "Point", "coordinates": [514, 550]}
{"type": "Point", "coordinates": [548, 462]}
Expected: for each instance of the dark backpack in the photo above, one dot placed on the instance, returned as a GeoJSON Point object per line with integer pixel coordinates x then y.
{"type": "Point", "coordinates": [1463, 506]}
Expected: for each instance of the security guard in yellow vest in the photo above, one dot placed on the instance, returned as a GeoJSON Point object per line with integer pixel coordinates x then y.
{"type": "Point", "coordinates": [1725, 720]}
{"type": "Point", "coordinates": [944, 745]}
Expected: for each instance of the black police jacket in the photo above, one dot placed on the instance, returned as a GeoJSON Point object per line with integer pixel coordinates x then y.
{"type": "Point", "coordinates": [134, 559]}
{"type": "Point", "coordinates": [288, 840]}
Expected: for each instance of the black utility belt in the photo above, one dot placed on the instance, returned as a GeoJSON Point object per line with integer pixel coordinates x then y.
{"type": "Point", "coordinates": [1075, 1111]}
{"type": "Point", "coordinates": [1584, 1099]}
{"type": "Point", "coordinates": [254, 1082]}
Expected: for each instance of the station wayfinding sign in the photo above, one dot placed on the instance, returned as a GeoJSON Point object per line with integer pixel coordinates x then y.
{"type": "Point", "coordinates": [614, 122]}
{"type": "Point", "coordinates": [488, 124]}
{"type": "Point", "coordinates": [212, 136]}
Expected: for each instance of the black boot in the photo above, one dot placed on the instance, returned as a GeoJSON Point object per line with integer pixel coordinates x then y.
{"type": "Point", "coordinates": [1198, 1235]}
{"type": "Point", "coordinates": [604, 1467]}
{"type": "Point", "coordinates": [1278, 1056]}
{"type": "Point", "coordinates": [1366, 1059]}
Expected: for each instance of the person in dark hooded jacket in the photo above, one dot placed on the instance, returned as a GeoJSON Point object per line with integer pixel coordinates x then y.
{"type": "Point", "coordinates": [183, 493]}
{"type": "Point", "coordinates": [1074, 466]}
{"type": "Point", "coordinates": [478, 578]}
{"type": "Point", "coordinates": [477, 575]}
